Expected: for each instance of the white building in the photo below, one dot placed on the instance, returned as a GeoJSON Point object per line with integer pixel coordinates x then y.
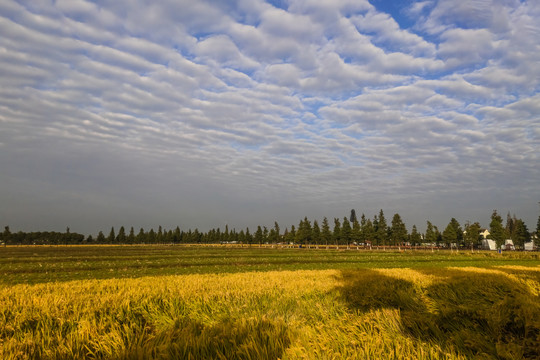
{"type": "Point", "coordinates": [509, 244]}
{"type": "Point", "coordinates": [489, 244]}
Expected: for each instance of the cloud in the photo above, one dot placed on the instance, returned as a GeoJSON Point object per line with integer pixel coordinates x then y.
{"type": "Point", "coordinates": [388, 32]}
{"type": "Point", "coordinates": [466, 46]}
{"type": "Point", "coordinates": [464, 14]}
{"type": "Point", "coordinates": [221, 49]}
{"type": "Point", "coordinates": [201, 114]}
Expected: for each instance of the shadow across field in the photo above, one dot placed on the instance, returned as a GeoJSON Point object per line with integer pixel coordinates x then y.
{"type": "Point", "coordinates": [480, 314]}
{"type": "Point", "coordinates": [236, 339]}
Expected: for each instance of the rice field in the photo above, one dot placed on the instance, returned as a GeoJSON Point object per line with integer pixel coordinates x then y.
{"type": "Point", "coordinates": [212, 303]}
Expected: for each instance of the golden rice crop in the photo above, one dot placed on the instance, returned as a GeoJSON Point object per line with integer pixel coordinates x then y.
{"type": "Point", "coordinates": [450, 313]}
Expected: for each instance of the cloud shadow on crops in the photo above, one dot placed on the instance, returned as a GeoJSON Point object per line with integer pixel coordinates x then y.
{"type": "Point", "coordinates": [475, 314]}
{"type": "Point", "coordinates": [189, 338]}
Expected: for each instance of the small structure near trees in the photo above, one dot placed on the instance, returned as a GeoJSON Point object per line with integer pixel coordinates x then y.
{"type": "Point", "coordinates": [489, 244]}
{"type": "Point", "coordinates": [509, 244]}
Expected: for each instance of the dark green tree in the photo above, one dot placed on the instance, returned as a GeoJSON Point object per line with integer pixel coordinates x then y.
{"type": "Point", "coordinates": [277, 238]}
{"type": "Point", "coordinates": [316, 233]}
{"type": "Point", "coordinates": [177, 235]}
{"type": "Point", "coordinates": [265, 234]}
{"type": "Point", "coordinates": [307, 231]}
{"type": "Point", "coordinates": [291, 236]}
{"type": "Point", "coordinates": [326, 235]}
{"type": "Point", "coordinates": [285, 236]}
{"type": "Point", "coordinates": [111, 237]}
{"type": "Point", "coordinates": [259, 235]}
{"type": "Point", "coordinates": [225, 236]}
{"type": "Point", "coordinates": [151, 236]}
{"type": "Point", "coordinates": [241, 237]}
{"type": "Point", "coordinates": [521, 233]}
{"type": "Point", "coordinates": [356, 232]}
{"type": "Point", "coordinates": [346, 232]}
{"type": "Point", "coordinates": [368, 232]}
{"type": "Point", "coordinates": [353, 218]}
{"type": "Point", "coordinates": [398, 231]}
{"type": "Point", "coordinates": [510, 228]}
{"type": "Point", "coordinates": [415, 237]}
{"type": "Point", "coordinates": [197, 236]}
{"type": "Point", "coordinates": [376, 230]}
{"type": "Point", "coordinates": [471, 234]}
{"type": "Point", "coordinates": [496, 229]}
{"type": "Point", "coordinates": [458, 229]}
{"type": "Point", "coordinates": [159, 235]}
{"type": "Point", "coordinates": [363, 223]}
{"type": "Point", "coordinates": [299, 236]}
{"type": "Point", "coordinates": [6, 235]}
{"type": "Point", "coordinates": [451, 235]}
{"type": "Point", "coordinates": [303, 233]}
{"type": "Point", "coordinates": [431, 233]}
{"type": "Point", "coordinates": [131, 236]}
{"type": "Point", "coordinates": [141, 237]}
{"type": "Point", "coordinates": [121, 237]}
{"type": "Point", "coordinates": [538, 231]}
{"type": "Point", "coordinates": [249, 237]}
{"type": "Point", "coordinates": [169, 236]}
{"type": "Point", "coordinates": [272, 235]}
{"type": "Point", "coordinates": [336, 235]}
{"type": "Point", "coordinates": [100, 238]}
{"type": "Point", "coordinates": [382, 229]}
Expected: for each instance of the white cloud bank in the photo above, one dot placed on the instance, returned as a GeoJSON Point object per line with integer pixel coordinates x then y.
{"type": "Point", "coordinates": [207, 113]}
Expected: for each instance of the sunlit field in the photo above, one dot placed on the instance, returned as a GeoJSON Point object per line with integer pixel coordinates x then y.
{"type": "Point", "coordinates": [38, 264]}
{"type": "Point", "coordinates": [215, 303]}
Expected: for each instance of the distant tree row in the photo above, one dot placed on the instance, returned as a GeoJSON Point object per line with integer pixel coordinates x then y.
{"type": "Point", "coordinates": [343, 231]}
{"type": "Point", "coordinates": [40, 238]}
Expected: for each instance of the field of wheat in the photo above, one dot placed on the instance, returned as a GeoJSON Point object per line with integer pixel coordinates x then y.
{"type": "Point", "coordinates": [437, 312]}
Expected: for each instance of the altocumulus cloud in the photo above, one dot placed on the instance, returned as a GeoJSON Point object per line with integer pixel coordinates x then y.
{"type": "Point", "coordinates": [204, 113]}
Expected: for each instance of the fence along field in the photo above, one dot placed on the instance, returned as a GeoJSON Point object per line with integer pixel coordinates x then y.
{"type": "Point", "coordinates": [163, 302]}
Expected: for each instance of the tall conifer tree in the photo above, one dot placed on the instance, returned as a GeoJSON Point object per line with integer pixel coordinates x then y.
{"type": "Point", "coordinates": [315, 233]}
{"type": "Point", "coordinates": [249, 237]}
{"type": "Point", "coordinates": [259, 235]}
{"type": "Point", "coordinates": [398, 231]}
{"type": "Point", "coordinates": [431, 233]}
{"type": "Point", "coordinates": [415, 237]}
{"type": "Point", "coordinates": [353, 218]}
{"type": "Point", "coordinates": [326, 235]}
{"type": "Point", "coordinates": [368, 232]}
{"type": "Point", "coordinates": [346, 232]}
{"type": "Point", "coordinates": [121, 237]}
{"type": "Point", "coordinates": [472, 234]}
{"type": "Point", "coordinates": [336, 235]}
{"type": "Point", "coordinates": [538, 231]}
{"type": "Point", "coordinates": [111, 237]}
{"type": "Point", "coordinates": [356, 232]}
{"type": "Point", "coordinates": [496, 229]}
{"type": "Point", "coordinates": [277, 235]}
{"type": "Point", "coordinates": [131, 236]}
{"type": "Point", "coordinates": [382, 229]}
{"type": "Point", "coordinates": [521, 233]}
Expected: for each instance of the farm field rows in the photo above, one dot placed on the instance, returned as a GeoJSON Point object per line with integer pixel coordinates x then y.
{"type": "Point", "coordinates": [37, 264]}
{"type": "Point", "coordinates": [209, 303]}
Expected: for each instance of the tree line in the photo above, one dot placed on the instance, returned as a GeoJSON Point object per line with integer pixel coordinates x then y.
{"type": "Point", "coordinates": [349, 230]}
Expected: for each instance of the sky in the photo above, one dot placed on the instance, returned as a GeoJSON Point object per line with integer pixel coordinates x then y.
{"type": "Point", "coordinates": [203, 114]}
